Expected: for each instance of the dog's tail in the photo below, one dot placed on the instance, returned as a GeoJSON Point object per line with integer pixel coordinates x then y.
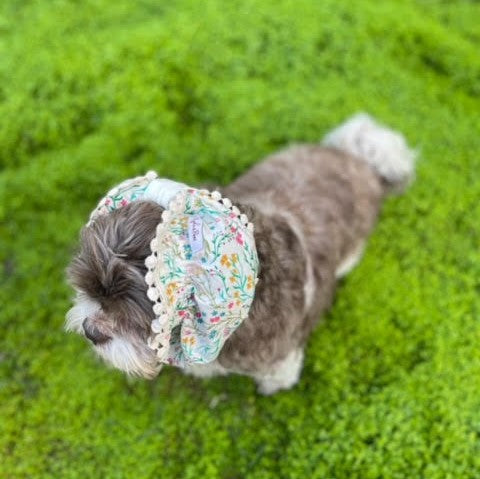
{"type": "Point", "coordinates": [385, 150]}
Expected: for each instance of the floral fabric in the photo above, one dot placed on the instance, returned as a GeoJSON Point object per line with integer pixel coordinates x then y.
{"type": "Point", "coordinates": [203, 285]}
{"type": "Point", "coordinates": [123, 194]}
{"type": "Point", "coordinates": [201, 274]}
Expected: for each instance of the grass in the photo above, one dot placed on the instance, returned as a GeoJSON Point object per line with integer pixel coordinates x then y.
{"type": "Point", "coordinates": [92, 92]}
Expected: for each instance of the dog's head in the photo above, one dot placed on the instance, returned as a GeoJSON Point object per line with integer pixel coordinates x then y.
{"type": "Point", "coordinates": [162, 286]}
{"type": "Point", "coordinates": [111, 308]}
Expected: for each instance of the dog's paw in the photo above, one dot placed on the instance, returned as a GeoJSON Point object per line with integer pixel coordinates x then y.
{"type": "Point", "coordinates": [283, 375]}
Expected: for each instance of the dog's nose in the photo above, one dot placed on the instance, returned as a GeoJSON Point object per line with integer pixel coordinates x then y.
{"type": "Point", "coordinates": [93, 334]}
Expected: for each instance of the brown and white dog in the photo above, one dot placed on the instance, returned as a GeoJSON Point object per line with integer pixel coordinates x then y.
{"type": "Point", "coordinates": [313, 207]}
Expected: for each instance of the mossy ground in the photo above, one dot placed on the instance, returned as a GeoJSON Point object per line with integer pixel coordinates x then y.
{"type": "Point", "coordinates": [92, 92]}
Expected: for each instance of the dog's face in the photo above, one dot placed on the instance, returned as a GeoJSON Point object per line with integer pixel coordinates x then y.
{"type": "Point", "coordinates": [111, 308]}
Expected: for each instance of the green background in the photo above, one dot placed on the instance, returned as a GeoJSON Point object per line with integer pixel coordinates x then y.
{"type": "Point", "coordinates": [92, 92]}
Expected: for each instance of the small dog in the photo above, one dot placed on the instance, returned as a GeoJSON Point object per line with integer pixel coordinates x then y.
{"type": "Point", "coordinates": [312, 208]}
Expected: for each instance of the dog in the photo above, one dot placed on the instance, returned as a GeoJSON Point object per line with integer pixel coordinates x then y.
{"type": "Point", "coordinates": [312, 207]}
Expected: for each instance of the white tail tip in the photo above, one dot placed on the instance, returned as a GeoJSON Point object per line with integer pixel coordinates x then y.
{"type": "Point", "coordinates": [385, 150]}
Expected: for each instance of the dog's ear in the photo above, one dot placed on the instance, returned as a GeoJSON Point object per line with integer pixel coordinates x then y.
{"type": "Point", "coordinates": [96, 269]}
{"type": "Point", "coordinates": [113, 250]}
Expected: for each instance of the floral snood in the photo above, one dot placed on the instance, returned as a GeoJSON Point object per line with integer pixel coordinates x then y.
{"type": "Point", "coordinates": [202, 270]}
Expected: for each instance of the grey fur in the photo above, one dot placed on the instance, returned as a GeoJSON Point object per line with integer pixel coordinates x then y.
{"type": "Point", "coordinates": [334, 199]}
{"type": "Point", "coordinates": [312, 207]}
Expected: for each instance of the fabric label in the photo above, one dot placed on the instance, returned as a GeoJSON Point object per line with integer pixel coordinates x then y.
{"type": "Point", "coordinates": [195, 233]}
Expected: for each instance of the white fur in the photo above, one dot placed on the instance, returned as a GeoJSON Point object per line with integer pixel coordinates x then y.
{"type": "Point", "coordinates": [122, 355]}
{"type": "Point", "coordinates": [118, 352]}
{"type": "Point", "coordinates": [283, 375]}
{"type": "Point", "coordinates": [383, 149]}
{"type": "Point", "coordinates": [83, 308]}
{"type": "Point", "coordinates": [208, 370]}
{"type": "Point", "coordinates": [350, 261]}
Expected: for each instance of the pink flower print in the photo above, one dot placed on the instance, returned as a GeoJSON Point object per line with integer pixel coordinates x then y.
{"type": "Point", "coordinates": [230, 306]}
{"type": "Point", "coordinates": [124, 202]}
{"type": "Point", "coordinates": [239, 239]}
{"type": "Point", "coordinates": [215, 319]}
{"type": "Point", "coordinates": [108, 202]}
{"type": "Point", "coordinates": [232, 215]}
{"type": "Point", "coordinates": [233, 229]}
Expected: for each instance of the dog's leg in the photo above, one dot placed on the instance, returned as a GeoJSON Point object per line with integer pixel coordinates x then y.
{"type": "Point", "coordinates": [209, 370]}
{"type": "Point", "coordinates": [350, 261]}
{"type": "Point", "coordinates": [283, 375]}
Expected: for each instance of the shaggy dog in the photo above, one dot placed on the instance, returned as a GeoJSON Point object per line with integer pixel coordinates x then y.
{"type": "Point", "coordinates": [312, 207]}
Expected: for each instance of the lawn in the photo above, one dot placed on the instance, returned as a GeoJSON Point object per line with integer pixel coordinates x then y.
{"type": "Point", "coordinates": [92, 92]}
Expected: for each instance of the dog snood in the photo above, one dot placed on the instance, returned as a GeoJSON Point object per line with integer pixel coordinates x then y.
{"type": "Point", "coordinates": [202, 270]}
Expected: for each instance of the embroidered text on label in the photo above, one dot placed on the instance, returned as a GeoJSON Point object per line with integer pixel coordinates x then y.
{"type": "Point", "coordinates": [195, 233]}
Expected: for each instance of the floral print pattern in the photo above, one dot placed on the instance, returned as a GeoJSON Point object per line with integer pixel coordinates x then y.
{"type": "Point", "coordinates": [201, 287]}
{"type": "Point", "coordinates": [201, 296]}
{"type": "Point", "coordinates": [123, 194]}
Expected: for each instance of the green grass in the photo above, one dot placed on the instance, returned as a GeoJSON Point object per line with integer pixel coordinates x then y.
{"type": "Point", "coordinates": [92, 92]}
